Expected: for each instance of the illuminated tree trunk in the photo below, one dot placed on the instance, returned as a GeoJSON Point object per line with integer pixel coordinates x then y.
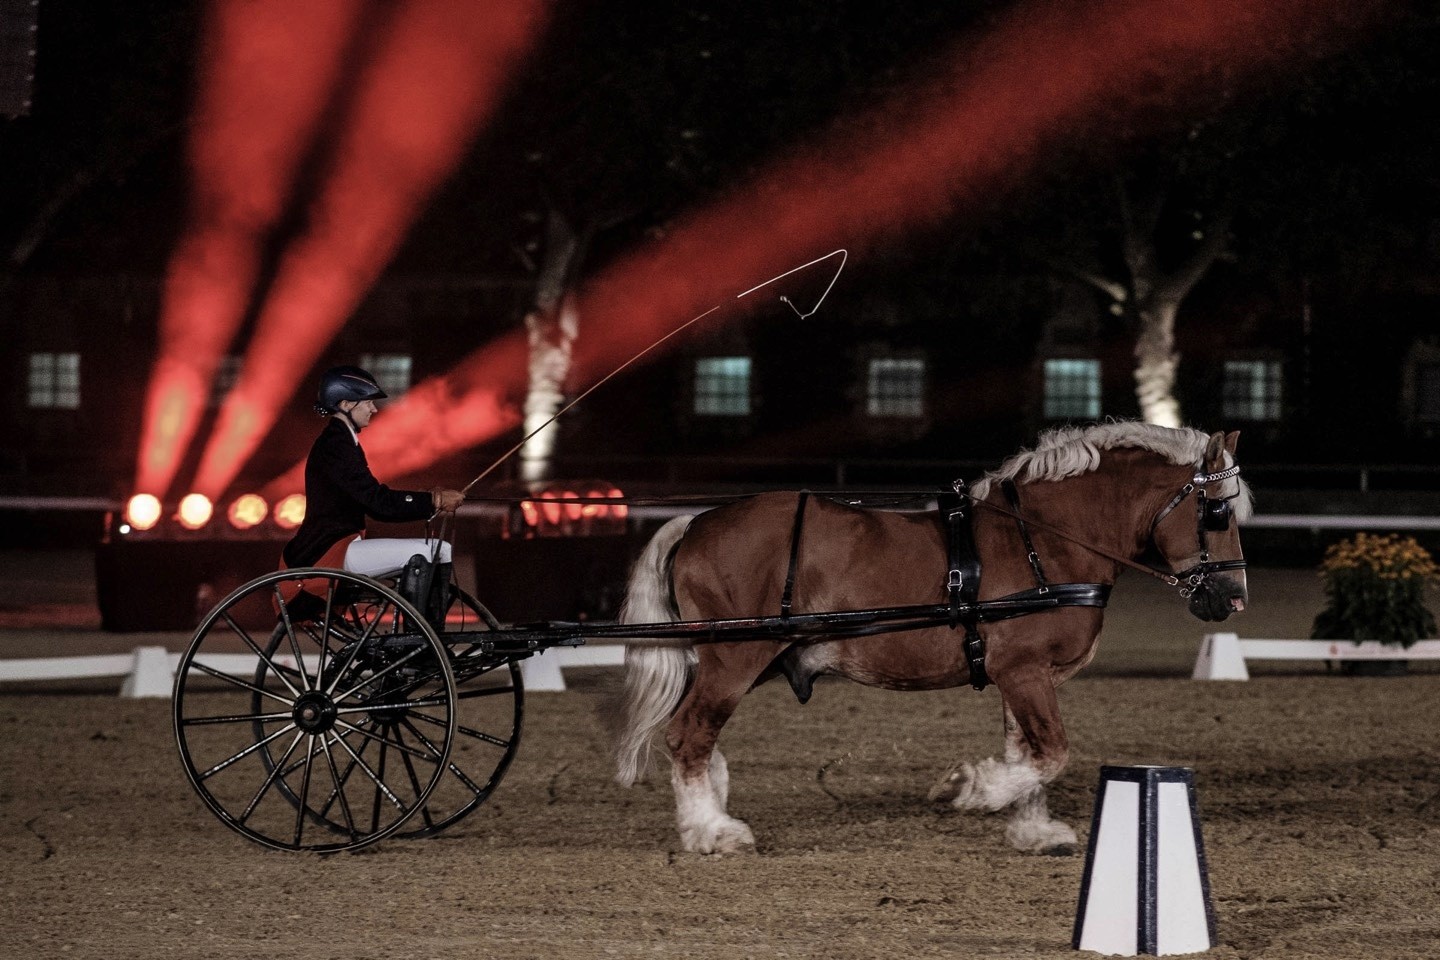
{"type": "Point", "coordinates": [552, 327]}
{"type": "Point", "coordinates": [1154, 296]}
{"type": "Point", "coordinates": [1156, 362]}
{"type": "Point", "coordinates": [552, 336]}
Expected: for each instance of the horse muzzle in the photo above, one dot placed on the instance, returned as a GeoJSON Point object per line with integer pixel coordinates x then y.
{"type": "Point", "coordinates": [1217, 596]}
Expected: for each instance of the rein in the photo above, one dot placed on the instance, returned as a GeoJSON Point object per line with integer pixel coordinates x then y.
{"type": "Point", "coordinates": [1208, 517]}
{"type": "Point", "coordinates": [1169, 578]}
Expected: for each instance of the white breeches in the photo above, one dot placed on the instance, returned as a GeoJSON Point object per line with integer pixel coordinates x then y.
{"type": "Point", "coordinates": [385, 556]}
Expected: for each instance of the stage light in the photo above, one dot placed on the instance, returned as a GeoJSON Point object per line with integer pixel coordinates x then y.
{"type": "Point", "coordinates": [290, 511]}
{"type": "Point", "coordinates": [248, 510]}
{"type": "Point", "coordinates": [550, 507]}
{"type": "Point", "coordinates": [618, 510]}
{"type": "Point", "coordinates": [530, 512]}
{"type": "Point", "coordinates": [195, 511]}
{"type": "Point", "coordinates": [143, 511]}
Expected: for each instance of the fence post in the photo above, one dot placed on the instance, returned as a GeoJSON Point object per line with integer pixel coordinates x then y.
{"type": "Point", "coordinates": [150, 674]}
{"type": "Point", "coordinates": [1220, 658]}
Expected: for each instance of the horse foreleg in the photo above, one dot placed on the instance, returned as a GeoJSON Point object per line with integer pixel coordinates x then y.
{"type": "Point", "coordinates": [1031, 828]}
{"type": "Point", "coordinates": [1036, 751]}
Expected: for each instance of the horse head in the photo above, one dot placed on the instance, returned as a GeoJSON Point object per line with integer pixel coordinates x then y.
{"type": "Point", "coordinates": [1198, 533]}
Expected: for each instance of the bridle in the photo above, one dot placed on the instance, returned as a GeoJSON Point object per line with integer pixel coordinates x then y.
{"type": "Point", "coordinates": [1212, 515]}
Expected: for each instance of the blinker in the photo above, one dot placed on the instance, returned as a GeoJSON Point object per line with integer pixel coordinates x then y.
{"type": "Point", "coordinates": [1216, 517]}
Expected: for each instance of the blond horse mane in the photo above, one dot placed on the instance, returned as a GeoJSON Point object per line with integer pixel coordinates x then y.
{"type": "Point", "coordinates": [1070, 451]}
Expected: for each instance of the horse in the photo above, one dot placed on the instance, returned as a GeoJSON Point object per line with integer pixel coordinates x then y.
{"type": "Point", "coordinates": [1087, 501]}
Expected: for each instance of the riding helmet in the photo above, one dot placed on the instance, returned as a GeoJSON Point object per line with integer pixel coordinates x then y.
{"type": "Point", "coordinates": [345, 383]}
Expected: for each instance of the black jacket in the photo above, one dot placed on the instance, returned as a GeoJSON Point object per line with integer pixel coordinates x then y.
{"type": "Point", "coordinates": [340, 492]}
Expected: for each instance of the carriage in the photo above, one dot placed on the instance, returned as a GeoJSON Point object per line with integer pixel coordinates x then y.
{"type": "Point", "coordinates": [361, 708]}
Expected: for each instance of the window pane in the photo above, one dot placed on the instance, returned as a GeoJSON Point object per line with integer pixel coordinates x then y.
{"type": "Point", "coordinates": [54, 381]}
{"type": "Point", "coordinates": [1252, 389]}
{"type": "Point", "coordinates": [42, 380]}
{"type": "Point", "coordinates": [895, 387]}
{"type": "Point", "coordinates": [390, 370]}
{"type": "Point", "coordinates": [1072, 389]}
{"type": "Point", "coordinates": [722, 386]}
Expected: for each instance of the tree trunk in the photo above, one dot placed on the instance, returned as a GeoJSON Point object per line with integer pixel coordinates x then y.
{"type": "Point", "coordinates": [1156, 361]}
{"type": "Point", "coordinates": [1156, 296]}
{"type": "Point", "coordinates": [552, 326]}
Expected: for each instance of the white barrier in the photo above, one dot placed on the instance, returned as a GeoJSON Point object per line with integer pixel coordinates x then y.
{"type": "Point", "coordinates": [543, 670]}
{"type": "Point", "coordinates": [1222, 655]}
{"type": "Point", "coordinates": [150, 671]}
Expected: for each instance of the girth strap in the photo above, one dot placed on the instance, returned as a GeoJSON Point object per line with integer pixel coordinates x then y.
{"type": "Point", "coordinates": [789, 593]}
{"type": "Point", "coordinates": [1013, 495]}
{"type": "Point", "coordinates": [962, 582]}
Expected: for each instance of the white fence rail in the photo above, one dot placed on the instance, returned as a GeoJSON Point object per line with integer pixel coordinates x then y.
{"type": "Point", "coordinates": [150, 671]}
{"type": "Point", "coordinates": [1222, 655]}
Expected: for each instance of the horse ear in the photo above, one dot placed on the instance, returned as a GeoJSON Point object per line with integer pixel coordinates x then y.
{"type": "Point", "coordinates": [1215, 447]}
{"type": "Point", "coordinates": [1231, 440]}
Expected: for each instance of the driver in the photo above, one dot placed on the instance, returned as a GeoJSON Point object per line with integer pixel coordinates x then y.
{"type": "Point", "coordinates": [340, 490]}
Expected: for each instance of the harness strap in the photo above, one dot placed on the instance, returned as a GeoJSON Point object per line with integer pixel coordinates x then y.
{"type": "Point", "coordinates": [789, 593]}
{"type": "Point", "coordinates": [962, 582]}
{"type": "Point", "coordinates": [1013, 495]}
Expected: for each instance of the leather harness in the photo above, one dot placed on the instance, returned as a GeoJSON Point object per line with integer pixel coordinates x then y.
{"type": "Point", "coordinates": [962, 580]}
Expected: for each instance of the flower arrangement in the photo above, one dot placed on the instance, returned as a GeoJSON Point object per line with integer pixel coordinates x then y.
{"type": "Point", "coordinates": [1375, 590]}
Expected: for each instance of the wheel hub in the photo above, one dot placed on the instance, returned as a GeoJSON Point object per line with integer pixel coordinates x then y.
{"type": "Point", "coordinates": [314, 712]}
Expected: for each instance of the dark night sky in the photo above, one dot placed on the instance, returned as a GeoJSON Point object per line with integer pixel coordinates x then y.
{"type": "Point", "coordinates": [637, 118]}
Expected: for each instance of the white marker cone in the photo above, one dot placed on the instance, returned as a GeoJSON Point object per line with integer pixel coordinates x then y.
{"type": "Point", "coordinates": [1146, 889]}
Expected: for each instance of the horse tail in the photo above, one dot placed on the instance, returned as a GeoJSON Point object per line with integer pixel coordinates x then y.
{"type": "Point", "coordinates": [656, 678]}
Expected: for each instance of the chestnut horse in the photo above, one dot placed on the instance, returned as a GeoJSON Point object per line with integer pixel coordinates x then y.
{"type": "Point", "coordinates": [1116, 490]}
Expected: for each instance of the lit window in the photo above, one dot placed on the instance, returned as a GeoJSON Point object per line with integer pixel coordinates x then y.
{"type": "Point", "coordinates": [895, 387]}
{"type": "Point", "coordinates": [226, 376]}
{"type": "Point", "coordinates": [390, 370]}
{"type": "Point", "coordinates": [1427, 393]}
{"type": "Point", "coordinates": [1072, 389]}
{"type": "Point", "coordinates": [722, 386]}
{"type": "Point", "coordinates": [55, 381]}
{"type": "Point", "coordinates": [1251, 390]}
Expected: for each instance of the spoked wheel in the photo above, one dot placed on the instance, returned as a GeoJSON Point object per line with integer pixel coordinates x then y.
{"type": "Point", "coordinates": [490, 703]}
{"type": "Point", "coordinates": [303, 739]}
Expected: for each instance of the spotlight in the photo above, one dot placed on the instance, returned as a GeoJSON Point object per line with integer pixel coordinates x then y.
{"type": "Point", "coordinates": [618, 510]}
{"type": "Point", "coordinates": [195, 511]}
{"type": "Point", "coordinates": [290, 512]}
{"type": "Point", "coordinates": [248, 510]}
{"type": "Point", "coordinates": [143, 511]}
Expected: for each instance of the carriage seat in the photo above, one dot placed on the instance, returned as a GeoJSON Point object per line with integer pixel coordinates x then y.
{"type": "Point", "coordinates": [384, 558]}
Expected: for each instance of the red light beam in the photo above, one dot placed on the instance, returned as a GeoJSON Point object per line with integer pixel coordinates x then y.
{"type": "Point", "coordinates": [436, 77]}
{"type": "Point", "coordinates": [266, 71]}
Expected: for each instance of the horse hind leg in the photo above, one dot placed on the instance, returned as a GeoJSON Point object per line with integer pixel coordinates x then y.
{"type": "Point", "coordinates": [699, 773]}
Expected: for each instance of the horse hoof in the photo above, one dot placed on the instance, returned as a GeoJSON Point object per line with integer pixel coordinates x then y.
{"type": "Point", "coordinates": [954, 784]}
{"type": "Point", "coordinates": [725, 838]}
{"type": "Point", "coordinates": [732, 840]}
{"type": "Point", "coordinates": [1050, 838]}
